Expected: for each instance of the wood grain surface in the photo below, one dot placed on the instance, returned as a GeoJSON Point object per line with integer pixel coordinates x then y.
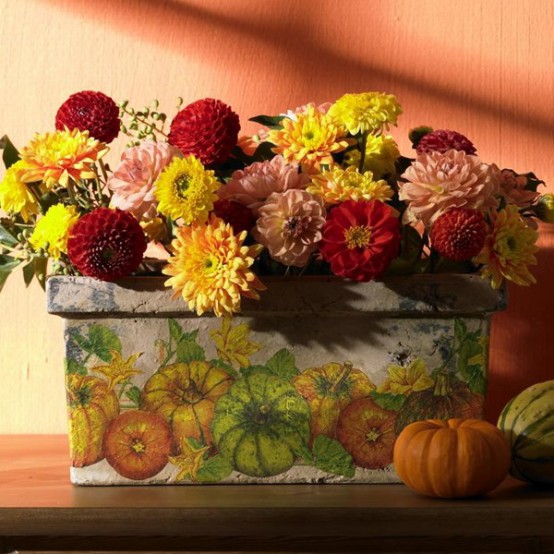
{"type": "Point", "coordinates": [483, 67]}
{"type": "Point", "coordinates": [41, 510]}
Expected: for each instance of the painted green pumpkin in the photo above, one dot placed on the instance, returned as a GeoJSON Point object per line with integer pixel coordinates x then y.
{"type": "Point", "coordinates": [260, 424]}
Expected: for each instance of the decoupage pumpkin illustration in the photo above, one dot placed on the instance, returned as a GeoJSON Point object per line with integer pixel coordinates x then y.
{"type": "Point", "coordinates": [137, 444]}
{"type": "Point", "coordinates": [261, 424]}
{"type": "Point", "coordinates": [91, 406]}
{"type": "Point", "coordinates": [185, 394]}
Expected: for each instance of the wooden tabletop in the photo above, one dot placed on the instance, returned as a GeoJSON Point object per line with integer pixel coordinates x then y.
{"type": "Point", "coordinates": [41, 510]}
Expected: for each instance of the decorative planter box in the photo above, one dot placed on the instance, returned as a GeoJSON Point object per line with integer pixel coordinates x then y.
{"type": "Point", "coordinates": [311, 384]}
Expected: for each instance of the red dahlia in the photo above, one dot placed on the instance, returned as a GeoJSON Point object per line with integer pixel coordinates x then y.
{"type": "Point", "coordinates": [207, 128]}
{"type": "Point", "coordinates": [459, 234]}
{"type": "Point", "coordinates": [443, 140]}
{"type": "Point", "coordinates": [239, 216]}
{"type": "Point", "coordinates": [106, 244]}
{"type": "Point", "coordinates": [90, 111]}
{"type": "Point", "coordinates": [360, 239]}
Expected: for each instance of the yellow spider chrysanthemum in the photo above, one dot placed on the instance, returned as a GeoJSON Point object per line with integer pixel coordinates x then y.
{"type": "Point", "coordinates": [405, 380]}
{"type": "Point", "coordinates": [310, 139]}
{"type": "Point", "coordinates": [210, 267]}
{"type": "Point", "coordinates": [509, 248]}
{"type": "Point", "coordinates": [366, 112]}
{"type": "Point", "coordinates": [381, 153]}
{"type": "Point", "coordinates": [339, 185]}
{"type": "Point", "coordinates": [53, 158]}
{"type": "Point", "coordinates": [185, 189]}
{"type": "Point", "coordinates": [232, 343]}
{"type": "Point", "coordinates": [52, 231]}
{"type": "Point", "coordinates": [15, 195]}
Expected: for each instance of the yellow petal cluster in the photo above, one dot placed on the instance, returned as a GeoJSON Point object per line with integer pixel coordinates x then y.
{"type": "Point", "coordinates": [339, 185]}
{"type": "Point", "coordinates": [405, 380]}
{"type": "Point", "coordinates": [366, 112]}
{"type": "Point", "coordinates": [52, 231]}
{"type": "Point", "coordinates": [381, 153]}
{"type": "Point", "coordinates": [232, 343]}
{"type": "Point", "coordinates": [210, 267]}
{"type": "Point", "coordinates": [54, 158]}
{"type": "Point", "coordinates": [119, 369]}
{"type": "Point", "coordinates": [15, 196]}
{"type": "Point", "coordinates": [186, 190]}
{"type": "Point", "coordinates": [509, 249]}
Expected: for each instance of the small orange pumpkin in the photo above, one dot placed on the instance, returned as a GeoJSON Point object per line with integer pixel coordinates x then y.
{"type": "Point", "coordinates": [452, 458]}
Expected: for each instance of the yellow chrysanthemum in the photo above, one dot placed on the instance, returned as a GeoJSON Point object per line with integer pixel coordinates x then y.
{"type": "Point", "coordinates": [15, 195]}
{"type": "Point", "coordinates": [232, 343]}
{"type": "Point", "coordinates": [509, 248]}
{"type": "Point", "coordinates": [210, 267]}
{"type": "Point", "coordinates": [339, 185]}
{"type": "Point", "coordinates": [52, 231]}
{"type": "Point", "coordinates": [366, 112]}
{"type": "Point", "coordinates": [310, 139]}
{"type": "Point", "coordinates": [155, 228]}
{"type": "Point", "coordinates": [381, 153]}
{"type": "Point", "coordinates": [185, 189]}
{"type": "Point", "coordinates": [405, 380]}
{"type": "Point", "coordinates": [55, 157]}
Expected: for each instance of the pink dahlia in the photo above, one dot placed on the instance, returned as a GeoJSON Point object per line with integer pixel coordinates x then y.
{"type": "Point", "coordinates": [438, 182]}
{"type": "Point", "coordinates": [90, 111]}
{"type": "Point", "coordinates": [443, 140]}
{"type": "Point", "coordinates": [133, 180]}
{"type": "Point", "coordinates": [207, 129]}
{"type": "Point", "coordinates": [289, 226]}
{"type": "Point", "coordinates": [513, 188]}
{"type": "Point", "coordinates": [254, 184]}
{"type": "Point", "coordinates": [321, 108]}
{"type": "Point", "coordinates": [459, 234]}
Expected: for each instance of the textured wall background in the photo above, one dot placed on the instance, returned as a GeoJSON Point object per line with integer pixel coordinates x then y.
{"type": "Point", "coordinates": [482, 67]}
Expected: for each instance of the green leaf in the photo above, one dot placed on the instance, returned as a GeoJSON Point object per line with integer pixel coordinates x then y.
{"type": "Point", "coordinates": [74, 367]}
{"type": "Point", "coordinates": [133, 394]}
{"type": "Point", "coordinates": [330, 456]}
{"type": "Point", "coordinates": [216, 362]}
{"type": "Point", "coordinates": [304, 453]}
{"type": "Point", "coordinates": [40, 271]}
{"type": "Point", "coordinates": [460, 329]}
{"type": "Point", "coordinates": [6, 237]}
{"type": "Point", "coordinates": [175, 331]}
{"type": "Point", "coordinates": [29, 272]}
{"type": "Point", "coordinates": [10, 154]}
{"type": "Point", "coordinates": [188, 350]}
{"type": "Point", "coordinates": [263, 152]}
{"type": "Point", "coordinates": [7, 265]}
{"type": "Point", "coordinates": [214, 469]}
{"type": "Point", "coordinates": [477, 382]}
{"type": "Point", "coordinates": [100, 341]}
{"type": "Point", "coordinates": [388, 401]}
{"type": "Point", "coordinates": [411, 246]}
{"type": "Point", "coordinates": [283, 365]}
{"type": "Point", "coordinates": [247, 371]}
{"type": "Point", "coordinates": [271, 121]}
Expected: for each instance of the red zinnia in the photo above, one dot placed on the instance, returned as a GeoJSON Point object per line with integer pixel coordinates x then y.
{"type": "Point", "coordinates": [443, 140]}
{"type": "Point", "coordinates": [459, 234]}
{"type": "Point", "coordinates": [237, 215]}
{"type": "Point", "coordinates": [360, 239]}
{"type": "Point", "coordinates": [90, 111]}
{"type": "Point", "coordinates": [106, 244]}
{"type": "Point", "coordinates": [207, 128]}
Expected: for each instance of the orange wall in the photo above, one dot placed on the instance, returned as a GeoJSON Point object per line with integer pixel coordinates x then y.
{"type": "Point", "coordinates": [483, 67]}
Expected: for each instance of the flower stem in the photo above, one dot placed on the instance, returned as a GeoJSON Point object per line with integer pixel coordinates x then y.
{"type": "Point", "coordinates": [362, 152]}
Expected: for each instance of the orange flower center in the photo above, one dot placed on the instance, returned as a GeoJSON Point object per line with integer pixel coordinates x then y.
{"type": "Point", "coordinates": [357, 237]}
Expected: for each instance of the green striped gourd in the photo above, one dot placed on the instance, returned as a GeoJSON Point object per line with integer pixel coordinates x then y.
{"type": "Point", "coordinates": [528, 423]}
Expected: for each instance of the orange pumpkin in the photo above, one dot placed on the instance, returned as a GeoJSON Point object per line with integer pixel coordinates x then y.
{"type": "Point", "coordinates": [91, 406]}
{"type": "Point", "coordinates": [185, 394]}
{"type": "Point", "coordinates": [137, 444]}
{"type": "Point", "coordinates": [452, 458]}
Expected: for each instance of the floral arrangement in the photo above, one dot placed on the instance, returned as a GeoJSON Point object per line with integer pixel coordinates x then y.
{"type": "Point", "coordinates": [318, 190]}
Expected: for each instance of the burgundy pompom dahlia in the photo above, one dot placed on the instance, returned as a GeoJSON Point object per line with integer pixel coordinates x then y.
{"type": "Point", "coordinates": [237, 215]}
{"type": "Point", "coordinates": [106, 244]}
{"type": "Point", "coordinates": [443, 140]}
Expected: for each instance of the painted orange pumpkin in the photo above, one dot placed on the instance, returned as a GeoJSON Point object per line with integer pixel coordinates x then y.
{"type": "Point", "coordinates": [137, 444]}
{"type": "Point", "coordinates": [367, 432]}
{"type": "Point", "coordinates": [185, 394]}
{"type": "Point", "coordinates": [452, 458]}
{"type": "Point", "coordinates": [328, 390]}
{"type": "Point", "coordinates": [91, 406]}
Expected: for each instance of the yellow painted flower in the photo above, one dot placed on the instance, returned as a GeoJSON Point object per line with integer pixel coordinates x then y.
{"type": "Point", "coordinates": [310, 139]}
{"type": "Point", "coordinates": [15, 195]}
{"type": "Point", "coordinates": [232, 343]}
{"type": "Point", "coordinates": [185, 189]}
{"type": "Point", "coordinates": [52, 231]}
{"type": "Point", "coordinates": [509, 249]}
{"type": "Point", "coordinates": [119, 369]}
{"type": "Point", "coordinates": [366, 112]}
{"type": "Point", "coordinates": [189, 461]}
{"type": "Point", "coordinates": [53, 158]}
{"type": "Point", "coordinates": [339, 185]}
{"type": "Point", "coordinates": [381, 154]}
{"type": "Point", "coordinates": [405, 380]}
{"type": "Point", "coordinates": [210, 267]}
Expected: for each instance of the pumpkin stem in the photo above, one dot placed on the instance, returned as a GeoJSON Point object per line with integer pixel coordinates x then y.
{"type": "Point", "coordinates": [442, 385]}
{"type": "Point", "coordinates": [343, 375]}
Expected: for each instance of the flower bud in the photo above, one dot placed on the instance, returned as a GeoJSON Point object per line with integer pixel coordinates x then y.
{"type": "Point", "coordinates": [544, 210]}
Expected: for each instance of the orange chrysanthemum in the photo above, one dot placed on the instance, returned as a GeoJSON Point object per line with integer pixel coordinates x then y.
{"type": "Point", "coordinates": [210, 267]}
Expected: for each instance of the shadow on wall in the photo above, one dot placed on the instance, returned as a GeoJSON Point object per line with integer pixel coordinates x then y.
{"type": "Point", "coordinates": [277, 34]}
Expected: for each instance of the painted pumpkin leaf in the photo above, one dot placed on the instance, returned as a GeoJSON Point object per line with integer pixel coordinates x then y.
{"type": "Point", "coordinates": [388, 401]}
{"type": "Point", "coordinates": [100, 342]}
{"type": "Point", "coordinates": [74, 367]}
{"type": "Point", "coordinates": [216, 362]}
{"type": "Point", "coordinates": [188, 350]}
{"type": "Point", "coordinates": [175, 331]}
{"type": "Point", "coordinates": [331, 456]}
{"type": "Point", "coordinates": [133, 394]}
{"type": "Point", "coordinates": [283, 365]}
{"type": "Point", "coordinates": [214, 469]}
